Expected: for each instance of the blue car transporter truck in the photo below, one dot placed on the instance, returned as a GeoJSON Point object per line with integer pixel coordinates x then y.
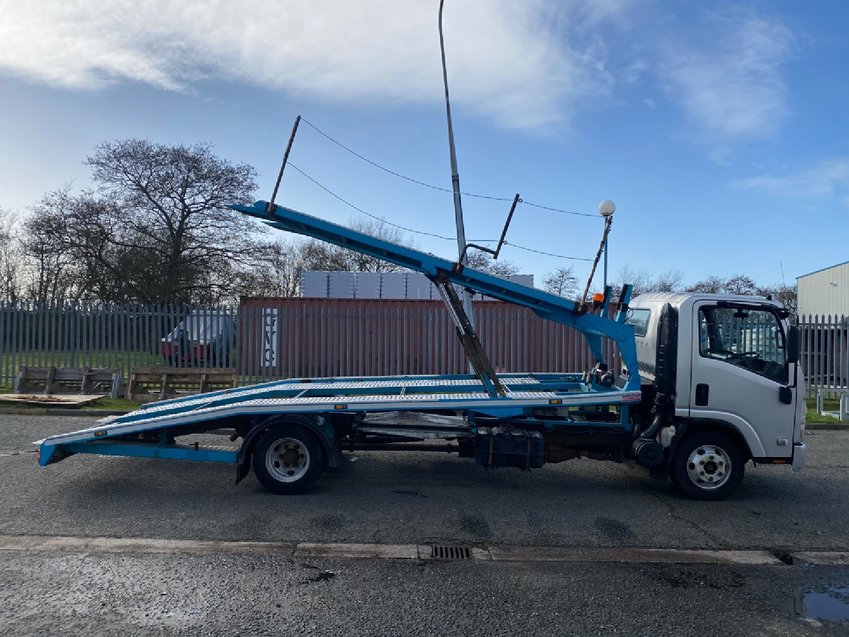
{"type": "Point", "coordinates": [708, 383]}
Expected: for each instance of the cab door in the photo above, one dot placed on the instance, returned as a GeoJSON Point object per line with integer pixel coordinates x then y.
{"type": "Point", "coordinates": [740, 374]}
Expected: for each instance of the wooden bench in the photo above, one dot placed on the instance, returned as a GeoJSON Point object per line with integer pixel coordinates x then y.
{"type": "Point", "coordinates": [158, 383]}
{"type": "Point", "coordinates": [69, 380]}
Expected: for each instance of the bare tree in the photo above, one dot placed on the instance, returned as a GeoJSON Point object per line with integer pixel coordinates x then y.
{"type": "Point", "coordinates": [54, 272]}
{"type": "Point", "coordinates": [711, 285]}
{"type": "Point", "coordinates": [744, 284]}
{"type": "Point", "coordinates": [741, 284]}
{"type": "Point", "coordinates": [174, 200]}
{"type": "Point", "coordinates": [562, 282]}
{"type": "Point", "coordinates": [643, 281]}
{"type": "Point", "coordinates": [157, 228]}
{"type": "Point", "coordinates": [640, 279]}
{"type": "Point", "coordinates": [669, 281]}
{"type": "Point", "coordinates": [787, 295]}
{"type": "Point", "coordinates": [10, 257]}
{"type": "Point", "coordinates": [319, 255]}
{"type": "Point", "coordinates": [482, 261]}
{"type": "Point", "coordinates": [278, 271]}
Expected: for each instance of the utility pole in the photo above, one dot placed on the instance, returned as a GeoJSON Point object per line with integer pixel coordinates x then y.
{"type": "Point", "coordinates": [455, 175]}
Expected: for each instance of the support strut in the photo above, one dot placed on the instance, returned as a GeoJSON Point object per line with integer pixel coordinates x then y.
{"type": "Point", "coordinates": [468, 337]}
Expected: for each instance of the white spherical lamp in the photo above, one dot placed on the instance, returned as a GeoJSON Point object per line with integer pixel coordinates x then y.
{"type": "Point", "coordinates": [606, 208]}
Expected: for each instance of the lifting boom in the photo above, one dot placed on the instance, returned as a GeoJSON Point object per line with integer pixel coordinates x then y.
{"type": "Point", "coordinates": [443, 273]}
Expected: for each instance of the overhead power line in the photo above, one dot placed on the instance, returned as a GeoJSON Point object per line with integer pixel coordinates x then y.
{"type": "Point", "coordinates": [368, 214]}
{"type": "Point", "coordinates": [435, 187]}
{"type": "Point", "coordinates": [422, 232]}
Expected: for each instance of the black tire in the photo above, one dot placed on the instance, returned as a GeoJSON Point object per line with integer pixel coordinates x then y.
{"type": "Point", "coordinates": [287, 459]}
{"type": "Point", "coordinates": [707, 465]}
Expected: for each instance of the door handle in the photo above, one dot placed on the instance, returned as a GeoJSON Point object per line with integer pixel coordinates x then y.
{"type": "Point", "coordinates": [702, 394]}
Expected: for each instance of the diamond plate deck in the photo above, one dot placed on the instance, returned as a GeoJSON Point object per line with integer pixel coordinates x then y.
{"type": "Point", "coordinates": [467, 401]}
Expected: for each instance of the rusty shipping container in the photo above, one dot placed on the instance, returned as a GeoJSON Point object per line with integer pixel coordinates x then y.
{"type": "Point", "coordinates": [303, 337]}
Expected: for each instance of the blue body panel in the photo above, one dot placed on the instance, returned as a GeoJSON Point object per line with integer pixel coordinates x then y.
{"type": "Point", "coordinates": [142, 450]}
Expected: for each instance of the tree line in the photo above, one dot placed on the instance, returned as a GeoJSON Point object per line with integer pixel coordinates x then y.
{"type": "Point", "coordinates": [156, 228]}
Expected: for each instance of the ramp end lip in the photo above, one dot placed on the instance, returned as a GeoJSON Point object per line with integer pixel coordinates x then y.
{"type": "Point", "coordinates": [46, 454]}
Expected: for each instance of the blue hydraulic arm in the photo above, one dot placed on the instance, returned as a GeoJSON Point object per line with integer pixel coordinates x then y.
{"type": "Point", "coordinates": [442, 271]}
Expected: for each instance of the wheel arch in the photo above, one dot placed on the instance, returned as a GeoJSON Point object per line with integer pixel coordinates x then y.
{"type": "Point", "coordinates": [691, 426]}
{"type": "Point", "coordinates": [313, 423]}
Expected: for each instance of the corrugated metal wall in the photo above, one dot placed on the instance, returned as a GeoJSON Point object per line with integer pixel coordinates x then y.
{"type": "Point", "coordinates": [357, 337]}
{"type": "Point", "coordinates": [825, 291]}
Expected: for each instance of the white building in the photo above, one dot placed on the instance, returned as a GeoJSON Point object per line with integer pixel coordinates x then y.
{"type": "Point", "coordinates": [825, 291]}
{"type": "Point", "coordinates": [378, 285]}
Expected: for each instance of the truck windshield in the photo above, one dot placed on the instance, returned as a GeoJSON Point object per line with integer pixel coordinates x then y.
{"type": "Point", "coordinates": [744, 337]}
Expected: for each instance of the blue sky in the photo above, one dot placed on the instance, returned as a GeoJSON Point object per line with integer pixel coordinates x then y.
{"type": "Point", "coordinates": [719, 129]}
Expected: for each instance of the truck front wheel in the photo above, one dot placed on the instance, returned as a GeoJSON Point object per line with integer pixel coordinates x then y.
{"type": "Point", "coordinates": [707, 465]}
{"type": "Point", "coordinates": [287, 459]}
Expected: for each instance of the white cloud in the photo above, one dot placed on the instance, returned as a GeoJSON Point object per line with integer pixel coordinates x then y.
{"type": "Point", "coordinates": [520, 63]}
{"type": "Point", "coordinates": [731, 86]}
{"type": "Point", "coordinates": [636, 71]}
{"type": "Point", "coordinates": [826, 178]}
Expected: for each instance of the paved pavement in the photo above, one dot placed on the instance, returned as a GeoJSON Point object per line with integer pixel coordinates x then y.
{"type": "Point", "coordinates": [414, 499]}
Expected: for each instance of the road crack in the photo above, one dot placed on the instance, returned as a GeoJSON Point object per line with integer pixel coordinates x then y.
{"type": "Point", "coordinates": [680, 518]}
{"type": "Point", "coordinates": [8, 453]}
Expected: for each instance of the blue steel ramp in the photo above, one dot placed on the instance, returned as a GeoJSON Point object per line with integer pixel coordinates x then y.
{"type": "Point", "coordinates": [321, 396]}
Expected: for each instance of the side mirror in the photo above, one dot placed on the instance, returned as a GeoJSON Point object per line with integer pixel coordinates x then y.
{"type": "Point", "coordinates": [793, 344]}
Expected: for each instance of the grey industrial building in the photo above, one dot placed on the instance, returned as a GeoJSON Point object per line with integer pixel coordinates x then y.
{"type": "Point", "coordinates": [825, 292]}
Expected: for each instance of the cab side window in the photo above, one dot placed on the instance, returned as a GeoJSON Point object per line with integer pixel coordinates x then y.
{"type": "Point", "coordinates": [743, 337]}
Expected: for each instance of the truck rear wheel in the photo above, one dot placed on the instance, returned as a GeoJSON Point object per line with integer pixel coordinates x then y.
{"type": "Point", "coordinates": [707, 465]}
{"type": "Point", "coordinates": [287, 459]}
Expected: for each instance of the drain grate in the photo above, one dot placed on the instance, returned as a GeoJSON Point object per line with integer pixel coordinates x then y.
{"type": "Point", "coordinates": [444, 552]}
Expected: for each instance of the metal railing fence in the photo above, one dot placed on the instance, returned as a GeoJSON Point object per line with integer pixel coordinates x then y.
{"type": "Point", "coordinates": [825, 354]}
{"type": "Point", "coordinates": [117, 336]}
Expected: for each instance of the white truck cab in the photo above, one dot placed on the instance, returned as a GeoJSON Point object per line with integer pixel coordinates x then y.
{"type": "Point", "coordinates": [727, 386]}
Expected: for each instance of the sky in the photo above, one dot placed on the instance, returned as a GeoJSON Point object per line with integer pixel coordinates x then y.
{"type": "Point", "coordinates": [719, 129]}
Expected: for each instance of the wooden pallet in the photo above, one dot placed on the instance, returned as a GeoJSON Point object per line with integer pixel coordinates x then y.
{"type": "Point", "coordinates": [69, 380]}
{"type": "Point", "coordinates": [68, 401]}
{"type": "Point", "coordinates": [158, 383]}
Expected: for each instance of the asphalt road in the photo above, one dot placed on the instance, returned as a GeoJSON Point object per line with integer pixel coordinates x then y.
{"type": "Point", "coordinates": [417, 499]}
